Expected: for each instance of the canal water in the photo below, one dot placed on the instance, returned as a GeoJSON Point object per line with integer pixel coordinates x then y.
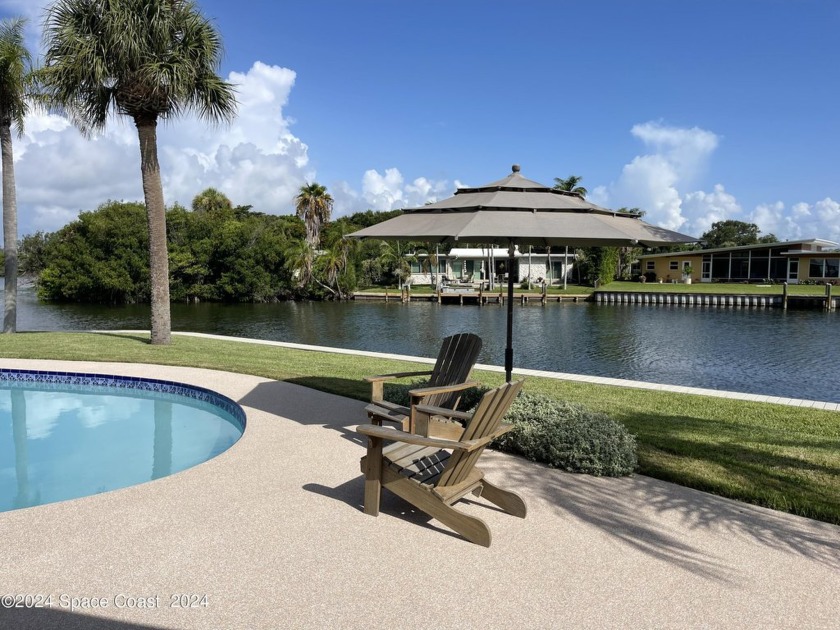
{"type": "Point", "coordinates": [764, 351]}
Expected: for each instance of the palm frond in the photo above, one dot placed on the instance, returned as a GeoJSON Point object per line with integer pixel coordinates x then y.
{"type": "Point", "coordinates": [147, 59]}
{"type": "Point", "coordinates": [16, 74]}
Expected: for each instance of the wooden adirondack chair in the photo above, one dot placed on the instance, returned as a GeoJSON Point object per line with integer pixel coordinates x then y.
{"type": "Point", "coordinates": [447, 380]}
{"type": "Point", "coordinates": [433, 473]}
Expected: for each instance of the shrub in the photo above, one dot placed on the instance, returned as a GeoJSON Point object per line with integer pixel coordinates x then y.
{"type": "Point", "coordinates": [568, 436]}
{"type": "Point", "coordinates": [564, 435]}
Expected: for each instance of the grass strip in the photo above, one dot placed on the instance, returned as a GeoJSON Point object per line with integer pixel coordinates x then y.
{"type": "Point", "coordinates": [781, 457]}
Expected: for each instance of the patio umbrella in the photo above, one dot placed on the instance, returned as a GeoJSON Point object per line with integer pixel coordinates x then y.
{"type": "Point", "coordinates": [518, 211]}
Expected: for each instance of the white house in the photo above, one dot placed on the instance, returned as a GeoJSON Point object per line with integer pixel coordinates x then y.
{"type": "Point", "coordinates": [489, 266]}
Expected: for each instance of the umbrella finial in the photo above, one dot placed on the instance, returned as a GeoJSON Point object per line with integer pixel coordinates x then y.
{"type": "Point", "coordinates": [515, 168]}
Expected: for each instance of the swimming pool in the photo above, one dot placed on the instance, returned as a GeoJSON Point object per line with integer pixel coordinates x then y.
{"type": "Point", "coordinates": [68, 435]}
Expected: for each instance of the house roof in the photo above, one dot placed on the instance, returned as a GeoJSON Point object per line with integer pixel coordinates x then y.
{"type": "Point", "coordinates": [719, 250]}
{"type": "Point", "coordinates": [481, 253]}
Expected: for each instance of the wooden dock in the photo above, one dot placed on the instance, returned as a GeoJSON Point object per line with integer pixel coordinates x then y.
{"type": "Point", "coordinates": [466, 297]}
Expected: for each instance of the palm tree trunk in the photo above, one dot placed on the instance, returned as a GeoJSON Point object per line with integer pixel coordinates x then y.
{"type": "Point", "coordinates": [9, 229]}
{"type": "Point", "coordinates": [156, 214]}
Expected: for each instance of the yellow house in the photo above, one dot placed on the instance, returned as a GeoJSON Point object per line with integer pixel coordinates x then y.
{"type": "Point", "coordinates": [791, 261]}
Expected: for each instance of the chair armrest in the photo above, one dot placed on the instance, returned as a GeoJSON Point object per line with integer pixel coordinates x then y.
{"type": "Point", "coordinates": [377, 383]}
{"type": "Point", "coordinates": [411, 438]}
{"type": "Point", "coordinates": [422, 392]}
{"type": "Point", "coordinates": [385, 377]}
{"type": "Point", "coordinates": [443, 411]}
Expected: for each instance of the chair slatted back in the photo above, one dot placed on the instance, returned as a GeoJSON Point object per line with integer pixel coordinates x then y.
{"type": "Point", "coordinates": [485, 421]}
{"type": "Point", "coordinates": [457, 356]}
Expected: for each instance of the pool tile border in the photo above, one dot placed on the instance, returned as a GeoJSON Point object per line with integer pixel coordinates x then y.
{"type": "Point", "coordinates": [84, 379]}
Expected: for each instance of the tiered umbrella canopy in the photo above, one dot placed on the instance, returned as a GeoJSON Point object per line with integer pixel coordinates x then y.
{"type": "Point", "coordinates": [519, 211]}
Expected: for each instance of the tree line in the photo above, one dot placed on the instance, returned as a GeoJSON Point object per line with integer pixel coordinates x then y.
{"type": "Point", "coordinates": [216, 252]}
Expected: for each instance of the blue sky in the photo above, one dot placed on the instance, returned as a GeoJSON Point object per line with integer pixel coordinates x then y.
{"type": "Point", "coordinates": [695, 111]}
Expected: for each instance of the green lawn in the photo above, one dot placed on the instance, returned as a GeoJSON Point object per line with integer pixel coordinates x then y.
{"type": "Point", "coordinates": [787, 458]}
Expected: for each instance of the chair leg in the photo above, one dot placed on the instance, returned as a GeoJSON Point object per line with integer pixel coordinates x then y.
{"type": "Point", "coordinates": [473, 529]}
{"type": "Point", "coordinates": [373, 476]}
{"type": "Point", "coordinates": [509, 501]}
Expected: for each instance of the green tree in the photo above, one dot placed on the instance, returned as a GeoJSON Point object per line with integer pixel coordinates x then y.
{"type": "Point", "coordinates": [570, 184]}
{"type": "Point", "coordinates": [147, 59]}
{"type": "Point", "coordinates": [99, 258]}
{"type": "Point", "coordinates": [392, 259]}
{"type": "Point", "coordinates": [597, 263]}
{"type": "Point", "coordinates": [300, 258]}
{"type": "Point", "coordinates": [210, 201]}
{"type": "Point", "coordinates": [732, 233]}
{"type": "Point", "coordinates": [33, 252]}
{"type": "Point", "coordinates": [314, 206]}
{"type": "Point", "coordinates": [16, 77]}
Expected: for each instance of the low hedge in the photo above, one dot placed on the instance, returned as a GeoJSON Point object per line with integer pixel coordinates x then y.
{"type": "Point", "coordinates": [563, 435]}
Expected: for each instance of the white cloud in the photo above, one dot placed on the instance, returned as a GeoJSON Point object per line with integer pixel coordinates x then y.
{"type": "Point", "coordinates": [388, 191]}
{"type": "Point", "coordinates": [653, 181]}
{"type": "Point", "coordinates": [661, 183]}
{"type": "Point", "coordinates": [701, 209]}
{"type": "Point", "coordinates": [803, 220]}
{"type": "Point", "coordinates": [685, 150]}
{"type": "Point", "coordinates": [383, 192]}
{"type": "Point", "coordinates": [255, 160]}
{"type": "Point", "coordinates": [649, 183]}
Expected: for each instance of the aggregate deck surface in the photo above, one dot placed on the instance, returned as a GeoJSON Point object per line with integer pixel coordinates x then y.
{"type": "Point", "coordinates": [272, 532]}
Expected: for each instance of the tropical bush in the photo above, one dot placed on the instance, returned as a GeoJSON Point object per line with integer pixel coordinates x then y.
{"type": "Point", "coordinates": [564, 435]}
{"type": "Point", "coordinates": [568, 436]}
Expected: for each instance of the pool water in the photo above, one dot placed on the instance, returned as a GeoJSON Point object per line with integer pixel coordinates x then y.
{"type": "Point", "coordinates": [66, 436]}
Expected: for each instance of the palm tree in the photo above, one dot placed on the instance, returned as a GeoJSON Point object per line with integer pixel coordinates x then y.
{"type": "Point", "coordinates": [15, 78]}
{"type": "Point", "coordinates": [300, 257]}
{"type": "Point", "coordinates": [210, 200]}
{"type": "Point", "coordinates": [570, 184]}
{"type": "Point", "coordinates": [391, 258]}
{"type": "Point", "coordinates": [314, 205]}
{"type": "Point", "coordinates": [147, 59]}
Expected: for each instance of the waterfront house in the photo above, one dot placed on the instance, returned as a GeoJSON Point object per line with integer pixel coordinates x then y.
{"type": "Point", "coordinates": [791, 261]}
{"type": "Point", "coordinates": [485, 264]}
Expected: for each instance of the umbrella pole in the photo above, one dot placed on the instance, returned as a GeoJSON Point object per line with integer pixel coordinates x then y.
{"type": "Point", "coordinates": [509, 348]}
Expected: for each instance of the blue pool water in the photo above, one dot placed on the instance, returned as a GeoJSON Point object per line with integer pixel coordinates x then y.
{"type": "Point", "coordinates": [64, 436]}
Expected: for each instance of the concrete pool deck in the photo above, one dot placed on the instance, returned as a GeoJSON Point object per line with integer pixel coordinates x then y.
{"type": "Point", "coordinates": [273, 533]}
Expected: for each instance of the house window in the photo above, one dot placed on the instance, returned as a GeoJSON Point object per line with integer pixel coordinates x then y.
{"type": "Point", "coordinates": [815, 269]}
{"type": "Point", "coordinates": [415, 266]}
{"type": "Point", "coordinates": [674, 265]}
{"type": "Point", "coordinates": [650, 265]}
{"type": "Point", "coordinates": [832, 267]}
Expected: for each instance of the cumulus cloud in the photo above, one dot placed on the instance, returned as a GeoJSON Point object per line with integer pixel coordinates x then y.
{"type": "Point", "coordinates": [256, 160]}
{"type": "Point", "coordinates": [662, 182]}
{"type": "Point", "coordinates": [702, 209]}
{"type": "Point", "coordinates": [802, 220]}
{"type": "Point", "coordinates": [388, 191]}
{"type": "Point", "coordinates": [677, 158]}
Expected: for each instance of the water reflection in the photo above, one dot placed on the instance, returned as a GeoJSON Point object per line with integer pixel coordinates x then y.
{"type": "Point", "coordinates": [767, 351]}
